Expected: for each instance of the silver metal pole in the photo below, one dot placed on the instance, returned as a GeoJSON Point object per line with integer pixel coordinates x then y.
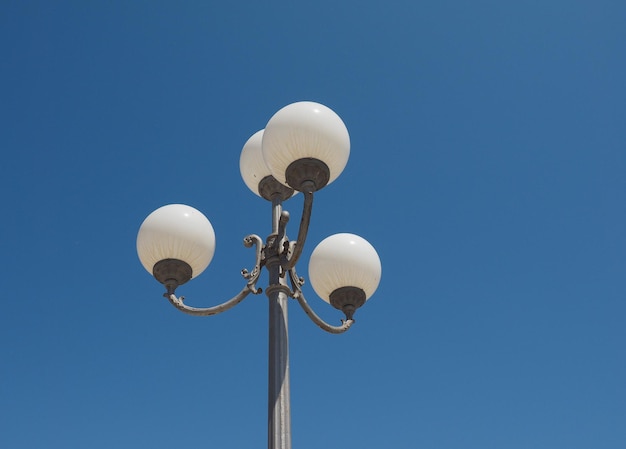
{"type": "Point", "coordinates": [279, 410]}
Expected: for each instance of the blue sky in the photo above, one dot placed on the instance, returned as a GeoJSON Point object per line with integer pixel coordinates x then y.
{"type": "Point", "coordinates": [487, 168]}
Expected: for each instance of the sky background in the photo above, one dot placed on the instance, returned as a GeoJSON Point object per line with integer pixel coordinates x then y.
{"type": "Point", "coordinates": [487, 168]}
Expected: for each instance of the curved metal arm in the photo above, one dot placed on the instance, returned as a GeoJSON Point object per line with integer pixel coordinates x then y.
{"type": "Point", "coordinates": [298, 245]}
{"type": "Point", "coordinates": [178, 303]}
{"type": "Point", "coordinates": [250, 287]}
{"type": "Point", "coordinates": [296, 282]}
{"type": "Point", "coordinates": [320, 322]}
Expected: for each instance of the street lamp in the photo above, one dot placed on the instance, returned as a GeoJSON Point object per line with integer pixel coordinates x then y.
{"type": "Point", "coordinates": [304, 147]}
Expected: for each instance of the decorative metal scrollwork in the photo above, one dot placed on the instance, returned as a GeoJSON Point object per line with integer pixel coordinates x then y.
{"type": "Point", "coordinates": [253, 276]}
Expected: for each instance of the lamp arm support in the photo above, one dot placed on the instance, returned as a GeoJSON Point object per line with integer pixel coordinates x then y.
{"type": "Point", "coordinates": [298, 245]}
{"type": "Point", "coordinates": [250, 287]}
{"type": "Point", "coordinates": [299, 296]}
{"type": "Point", "coordinates": [346, 324]}
{"type": "Point", "coordinates": [208, 311]}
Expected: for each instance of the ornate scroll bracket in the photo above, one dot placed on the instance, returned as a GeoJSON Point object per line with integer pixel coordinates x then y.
{"type": "Point", "coordinates": [253, 276]}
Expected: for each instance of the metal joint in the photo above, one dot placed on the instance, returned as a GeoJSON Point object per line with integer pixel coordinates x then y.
{"type": "Point", "coordinates": [269, 187]}
{"type": "Point", "coordinates": [307, 174]}
{"type": "Point", "coordinates": [172, 273]}
{"type": "Point", "coordinates": [347, 299]}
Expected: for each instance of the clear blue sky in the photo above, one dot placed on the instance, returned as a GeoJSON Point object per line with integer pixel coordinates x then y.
{"type": "Point", "coordinates": [488, 168]}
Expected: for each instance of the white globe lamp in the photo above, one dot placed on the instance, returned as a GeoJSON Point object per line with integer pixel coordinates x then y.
{"type": "Point", "coordinates": [175, 243]}
{"type": "Point", "coordinates": [255, 173]}
{"type": "Point", "coordinates": [345, 271]}
{"type": "Point", "coordinates": [306, 145]}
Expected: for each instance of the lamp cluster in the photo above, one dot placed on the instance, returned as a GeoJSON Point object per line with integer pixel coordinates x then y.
{"type": "Point", "coordinates": [304, 147]}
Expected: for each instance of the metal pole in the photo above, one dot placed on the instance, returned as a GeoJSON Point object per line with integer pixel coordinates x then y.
{"type": "Point", "coordinates": [279, 411]}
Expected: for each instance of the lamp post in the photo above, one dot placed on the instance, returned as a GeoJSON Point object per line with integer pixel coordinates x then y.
{"type": "Point", "coordinates": [303, 147]}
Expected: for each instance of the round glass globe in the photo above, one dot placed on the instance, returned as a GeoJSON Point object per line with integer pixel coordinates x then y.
{"type": "Point", "coordinates": [344, 260]}
{"type": "Point", "coordinates": [251, 163]}
{"type": "Point", "coordinates": [176, 231]}
{"type": "Point", "coordinates": [305, 130]}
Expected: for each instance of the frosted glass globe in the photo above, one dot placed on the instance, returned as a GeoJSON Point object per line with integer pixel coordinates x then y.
{"type": "Point", "coordinates": [305, 130]}
{"type": "Point", "coordinates": [251, 163]}
{"type": "Point", "coordinates": [176, 231]}
{"type": "Point", "coordinates": [344, 260]}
